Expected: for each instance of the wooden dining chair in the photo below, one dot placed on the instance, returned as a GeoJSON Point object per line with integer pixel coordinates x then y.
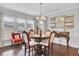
{"type": "Point", "coordinates": [46, 44]}
{"type": "Point", "coordinates": [47, 32]}
{"type": "Point", "coordinates": [28, 44]}
{"type": "Point", "coordinates": [31, 32]}
{"type": "Point", "coordinates": [16, 38]}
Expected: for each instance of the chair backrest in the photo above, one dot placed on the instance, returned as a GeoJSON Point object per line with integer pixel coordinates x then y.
{"type": "Point", "coordinates": [48, 32]}
{"type": "Point", "coordinates": [51, 37]}
{"type": "Point", "coordinates": [25, 37]}
{"type": "Point", "coordinates": [31, 32]}
{"type": "Point", "coordinates": [16, 36]}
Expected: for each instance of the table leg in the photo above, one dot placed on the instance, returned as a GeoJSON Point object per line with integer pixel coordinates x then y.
{"type": "Point", "coordinates": [39, 49]}
{"type": "Point", "coordinates": [67, 38]}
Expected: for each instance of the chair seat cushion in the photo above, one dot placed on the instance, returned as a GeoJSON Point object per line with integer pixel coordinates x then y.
{"type": "Point", "coordinates": [33, 43]}
{"type": "Point", "coordinates": [42, 43]}
{"type": "Point", "coordinates": [17, 40]}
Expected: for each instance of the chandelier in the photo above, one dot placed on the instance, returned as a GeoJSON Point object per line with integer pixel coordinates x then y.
{"type": "Point", "coordinates": [40, 17]}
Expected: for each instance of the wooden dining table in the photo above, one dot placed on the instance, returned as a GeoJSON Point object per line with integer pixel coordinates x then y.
{"type": "Point", "coordinates": [37, 38]}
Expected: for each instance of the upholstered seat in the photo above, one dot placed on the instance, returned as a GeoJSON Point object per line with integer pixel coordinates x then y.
{"type": "Point", "coordinates": [44, 42]}
{"type": "Point", "coordinates": [16, 38]}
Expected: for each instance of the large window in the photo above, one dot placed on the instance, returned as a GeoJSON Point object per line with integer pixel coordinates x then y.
{"type": "Point", "coordinates": [29, 25]}
{"type": "Point", "coordinates": [8, 28]}
{"type": "Point", "coordinates": [11, 24]}
{"type": "Point", "coordinates": [20, 25]}
{"type": "Point", "coordinates": [41, 25]}
{"type": "Point", "coordinates": [8, 22]}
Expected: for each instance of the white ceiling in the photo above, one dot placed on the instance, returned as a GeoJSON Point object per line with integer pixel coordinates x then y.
{"type": "Point", "coordinates": [34, 8]}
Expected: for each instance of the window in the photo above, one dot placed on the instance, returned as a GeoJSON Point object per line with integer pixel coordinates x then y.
{"type": "Point", "coordinates": [29, 24]}
{"type": "Point", "coordinates": [41, 25]}
{"type": "Point", "coordinates": [52, 23]}
{"type": "Point", "coordinates": [8, 28]}
{"type": "Point", "coordinates": [20, 25]}
{"type": "Point", "coordinates": [8, 22]}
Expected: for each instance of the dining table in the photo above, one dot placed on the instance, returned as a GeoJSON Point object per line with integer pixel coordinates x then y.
{"type": "Point", "coordinates": [38, 38]}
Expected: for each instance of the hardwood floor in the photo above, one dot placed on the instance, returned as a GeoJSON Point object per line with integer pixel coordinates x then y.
{"type": "Point", "coordinates": [64, 51]}
{"type": "Point", "coordinates": [58, 50]}
{"type": "Point", "coordinates": [16, 50]}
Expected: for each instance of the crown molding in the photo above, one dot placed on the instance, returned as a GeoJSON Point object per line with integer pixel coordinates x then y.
{"type": "Point", "coordinates": [73, 9]}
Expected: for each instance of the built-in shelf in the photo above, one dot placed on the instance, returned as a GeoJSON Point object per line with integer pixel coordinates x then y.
{"type": "Point", "coordinates": [64, 22]}
{"type": "Point", "coordinates": [52, 23]}
{"type": "Point", "coordinates": [60, 21]}
{"type": "Point", "coordinates": [69, 21]}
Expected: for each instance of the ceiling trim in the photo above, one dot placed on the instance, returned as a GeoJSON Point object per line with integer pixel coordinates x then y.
{"type": "Point", "coordinates": [49, 13]}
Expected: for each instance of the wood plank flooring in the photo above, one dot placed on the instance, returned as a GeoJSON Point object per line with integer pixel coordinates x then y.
{"type": "Point", "coordinates": [58, 50]}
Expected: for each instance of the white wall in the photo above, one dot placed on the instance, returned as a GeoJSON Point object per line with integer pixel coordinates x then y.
{"type": "Point", "coordinates": [0, 32]}
{"type": "Point", "coordinates": [74, 32]}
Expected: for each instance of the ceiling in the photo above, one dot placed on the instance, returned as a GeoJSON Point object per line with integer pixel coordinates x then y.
{"type": "Point", "coordinates": [34, 8]}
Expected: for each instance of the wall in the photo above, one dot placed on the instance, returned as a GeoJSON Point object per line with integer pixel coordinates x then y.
{"type": "Point", "coordinates": [0, 31]}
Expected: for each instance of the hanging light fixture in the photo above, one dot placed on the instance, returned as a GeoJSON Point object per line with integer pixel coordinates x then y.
{"type": "Point", "coordinates": [40, 17]}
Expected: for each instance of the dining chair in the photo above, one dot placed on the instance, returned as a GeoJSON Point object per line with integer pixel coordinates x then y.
{"type": "Point", "coordinates": [28, 44]}
{"type": "Point", "coordinates": [47, 32]}
{"type": "Point", "coordinates": [46, 44]}
{"type": "Point", "coordinates": [16, 38]}
{"type": "Point", "coordinates": [31, 32]}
